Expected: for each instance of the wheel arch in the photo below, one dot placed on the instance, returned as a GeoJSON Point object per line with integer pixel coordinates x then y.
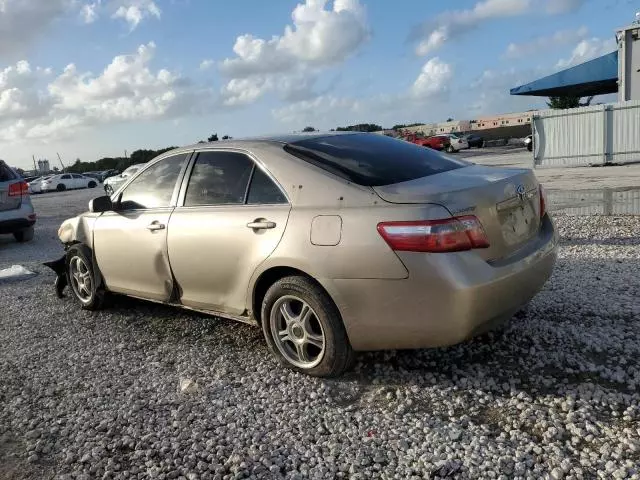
{"type": "Point", "coordinates": [270, 276]}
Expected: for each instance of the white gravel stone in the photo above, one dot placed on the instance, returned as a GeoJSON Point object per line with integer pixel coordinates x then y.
{"type": "Point", "coordinates": [553, 394]}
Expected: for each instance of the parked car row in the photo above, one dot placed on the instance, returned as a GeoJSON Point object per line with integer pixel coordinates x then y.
{"type": "Point", "coordinates": [449, 142]}
{"type": "Point", "coordinates": [61, 182]}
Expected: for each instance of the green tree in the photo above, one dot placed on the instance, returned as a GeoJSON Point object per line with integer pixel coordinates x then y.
{"type": "Point", "coordinates": [213, 138]}
{"type": "Point", "coordinates": [309, 129]}
{"type": "Point", "coordinates": [402, 125]}
{"type": "Point", "coordinates": [561, 103]}
{"type": "Point", "coordinates": [450, 119]}
{"type": "Point", "coordinates": [226, 137]}
{"type": "Point", "coordinates": [360, 127]}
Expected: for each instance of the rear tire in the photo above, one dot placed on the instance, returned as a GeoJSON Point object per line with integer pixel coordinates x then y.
{"type": "Point", "coordinates": [83, 279]}
{"type": "Point", "coordinates": [303, 328]}
{"type": "Point", "coordinates": [61, 187]}
{"type": "Point", "coordinates": [25, 235]}
{"type": "Point", "coordinates": [93, 184]}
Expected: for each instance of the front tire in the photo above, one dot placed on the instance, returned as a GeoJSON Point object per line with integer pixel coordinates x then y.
{"type": "Point", "coordinates": [83, 279]}
{"type": "Point", "coordinates": [25, 235]}
{"type": "Point", "coordinates": [303, 328]}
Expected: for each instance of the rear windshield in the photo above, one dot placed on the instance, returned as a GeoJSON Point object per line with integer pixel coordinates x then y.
{"type": "Point", "coordinates": [6, 173]}
{"type": "Point", "coordinates": [372, 160]}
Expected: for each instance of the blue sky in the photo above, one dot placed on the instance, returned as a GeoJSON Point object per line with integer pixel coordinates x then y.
{"type": "Point", "coordinates": [92, 78]}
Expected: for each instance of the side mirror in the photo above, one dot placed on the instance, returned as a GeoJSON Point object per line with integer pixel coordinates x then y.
{"type": "Point", "coordinates": [100, 204]}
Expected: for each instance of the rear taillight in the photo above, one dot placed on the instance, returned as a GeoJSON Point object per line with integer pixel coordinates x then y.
{"type": "Point", "coordinates": [543, 202]}
{"type": "Point", "coordinates": [18, 189]}
{"type": "Point", "coordinates": [448, 235]}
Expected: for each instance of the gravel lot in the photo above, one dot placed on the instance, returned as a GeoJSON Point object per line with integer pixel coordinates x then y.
{"type": "Point", "coordinates": [555, 394]}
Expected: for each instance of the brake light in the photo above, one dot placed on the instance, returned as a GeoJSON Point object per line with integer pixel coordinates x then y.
{"type": "Point", "coordinates": [437, 236]}
{"type": "Point", "coordinates": [18, 189]}
{"type": "Point", "coordinates": [543, 202]}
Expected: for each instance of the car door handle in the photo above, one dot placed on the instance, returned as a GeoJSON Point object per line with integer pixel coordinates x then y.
{"type": "Point", "coordinates": [155, 226]}
{"type": "Point", "coordinates": [260, 224]}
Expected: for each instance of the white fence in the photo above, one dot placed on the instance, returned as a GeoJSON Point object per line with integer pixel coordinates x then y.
{"type": "Point", "coordinates": [595, 135]}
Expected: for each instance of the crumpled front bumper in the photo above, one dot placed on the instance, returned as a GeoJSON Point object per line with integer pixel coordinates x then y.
{"type": "Point", "coordinates": [60, 268]}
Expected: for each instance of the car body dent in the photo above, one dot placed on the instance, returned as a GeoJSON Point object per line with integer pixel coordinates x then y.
{"type": "Point", "coordinates": [78, 229]}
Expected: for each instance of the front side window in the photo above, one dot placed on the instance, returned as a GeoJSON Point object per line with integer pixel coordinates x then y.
{"type": "Point", "coordinates": [219, 178]}
{"type": "Point", "coordinates": [154, 187]}
{"type": "Point", "coordinates": [66, 177]}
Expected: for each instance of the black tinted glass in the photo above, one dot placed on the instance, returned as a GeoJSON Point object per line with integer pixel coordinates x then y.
{"type": "Point", "coordinates": [154, 187]}
{"type": "Point", "coordinates": [6, 173]}
{"type": "Point", "coordinates": [370, 159]}
{"type": "Point", "coordinates": [218, 178]}
{"type": "Point", "coordinates": [66, 177]}
{"type": "Point", "coordinates": [263, 191]}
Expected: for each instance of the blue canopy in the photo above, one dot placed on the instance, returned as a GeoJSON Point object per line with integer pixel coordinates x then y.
{"type": "Point", "coordinates": [595, 77]}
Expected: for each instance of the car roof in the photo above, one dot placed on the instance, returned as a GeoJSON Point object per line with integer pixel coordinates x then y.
{"type": "Point", "coordinates": [246, 142]}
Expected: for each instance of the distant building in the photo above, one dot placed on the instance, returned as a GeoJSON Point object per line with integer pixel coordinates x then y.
{"type": "Point", "coordinates": [43, 166]}
{"type": "Point", "coordinates": [503, 120]}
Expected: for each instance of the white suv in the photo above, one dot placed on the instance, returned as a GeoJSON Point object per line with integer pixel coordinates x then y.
{"type": "Point", "coordinates": [17, 215]}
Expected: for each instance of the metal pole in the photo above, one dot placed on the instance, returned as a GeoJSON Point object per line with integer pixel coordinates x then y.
{"type": "Point", "coordinates": [63, 167]}
{"type": "Point", "coordinates": [34, 164]}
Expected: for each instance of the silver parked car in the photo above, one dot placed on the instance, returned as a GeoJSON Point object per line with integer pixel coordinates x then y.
{"type": "Point", "coordinates": [332, 243]}
{"type": "Point", "coordinates": [17, 215]}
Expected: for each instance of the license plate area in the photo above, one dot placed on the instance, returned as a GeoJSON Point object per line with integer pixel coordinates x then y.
{"type": "Point", "coordinates": [518, 220]}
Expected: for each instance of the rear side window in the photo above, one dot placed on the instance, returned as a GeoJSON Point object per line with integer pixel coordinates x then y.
{"type": "Point", "coordinates": [263, 191]}
{"type": "Point", "coordinates": [372, 160]}
{"type": "Point", "coordinates": [219, 178]}
{"type": "Point", "coordinates": [6, 173]}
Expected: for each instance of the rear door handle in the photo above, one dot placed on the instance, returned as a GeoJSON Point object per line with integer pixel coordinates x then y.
{"type": "Point", "coordinates": [155, 226]}
{"type": "Point", "coordinates": [261, 224]}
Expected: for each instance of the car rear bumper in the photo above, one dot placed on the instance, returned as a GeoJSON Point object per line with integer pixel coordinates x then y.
{"type": "Point", "coordinates": [17, 219]}
{"type": "Point", "coordinates": [447, 298]}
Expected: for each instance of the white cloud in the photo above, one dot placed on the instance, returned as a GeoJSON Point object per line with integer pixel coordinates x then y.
{"type": "Point", "coordinates": [126, 90]}
{"type": "Point", "coordinates": [588, 49]}
{"type": "Point", "coordinates": [134, 11]}
{"type": "Point", "coordinates": [451, 24]}
{"type": "Point", "coordinates": [326, 108]}
{"type": "Point", "coordinates": [22, 21]}
{"type": "Point", "coordinates": [433, 79]}
{"type": "Point", "coordinates": [89, 12]}
{"type": "Point", "coordinates": [323, 34]}
{"type": "Point", "coordinates": [489, 93]}
{"type": "Point", "coordinates": [545, 43]}
{"type": "Point", "coordinates": [431, 86]}
{"type": "Point", "coordinates": [206, 64]}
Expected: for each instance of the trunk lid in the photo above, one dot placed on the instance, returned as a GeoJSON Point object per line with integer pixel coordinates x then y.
{"type": "Point", "coordinates": [505, 200]}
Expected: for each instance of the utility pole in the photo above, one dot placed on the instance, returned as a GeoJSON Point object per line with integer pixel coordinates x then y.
{"type": "Point", "coordinates": [63, 167]}
{"type": "Point", "coordinates": [34, 164]}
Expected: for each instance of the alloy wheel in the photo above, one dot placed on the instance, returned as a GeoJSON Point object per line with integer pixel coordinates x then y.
{"type": "Point", "coordinates": [297, 332]}
{"type": "Point", "coordinates": [80, 277]}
